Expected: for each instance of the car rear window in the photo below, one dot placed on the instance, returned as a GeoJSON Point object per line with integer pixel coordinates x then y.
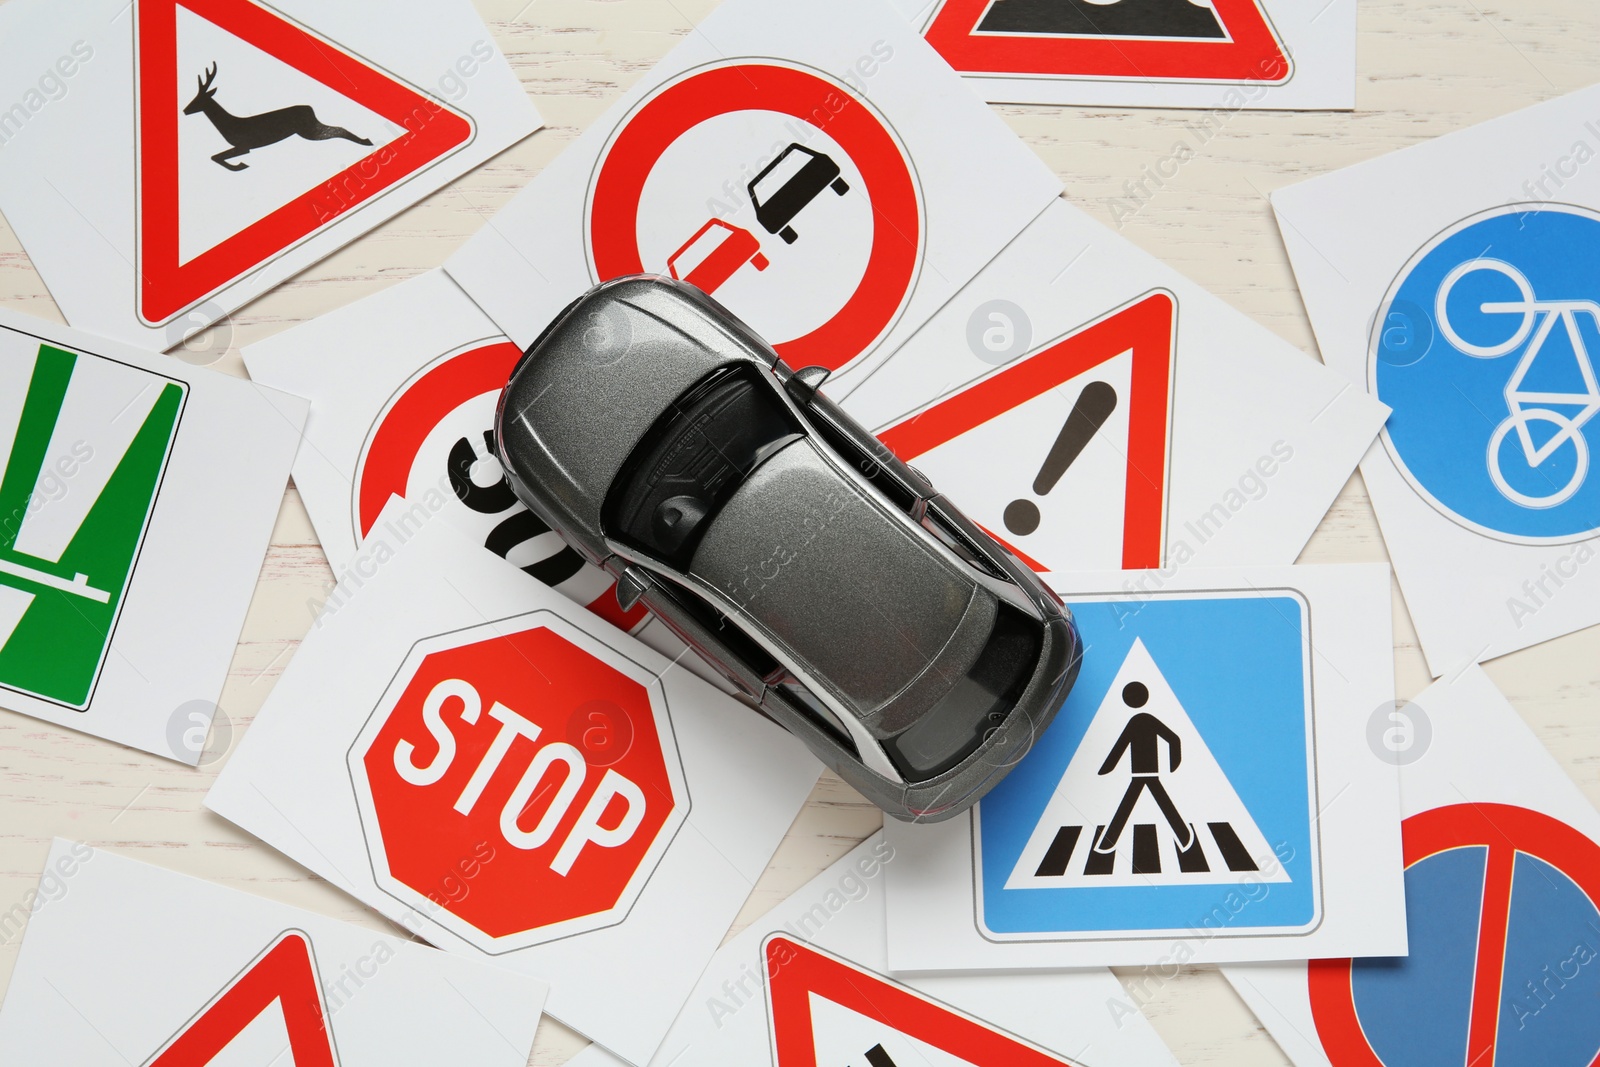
{"type": "Point", "coordinates": [975, 706]}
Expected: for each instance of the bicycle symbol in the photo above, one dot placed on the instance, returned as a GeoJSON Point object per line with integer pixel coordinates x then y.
{"type": "Point", "coordinates": [1535, 321]}
{"type": "Point", "coordinates": [1484, 348]}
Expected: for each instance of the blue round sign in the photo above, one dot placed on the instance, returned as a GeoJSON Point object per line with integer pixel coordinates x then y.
{"type": "Point", "coordinates": [1503, 918]}
{"type": "Point", "coordinates": [1484, 348]}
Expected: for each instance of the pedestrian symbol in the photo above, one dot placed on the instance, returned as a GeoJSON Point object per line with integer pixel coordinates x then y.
{"type": "Point", "coordinates": [1180, 764]}
{"type": "Point", "coordinates": [87, 440]}
{"type": "Point", "coordinates": [1143, 801]}
{"type": "Point", "coordinates": [1484, 349]}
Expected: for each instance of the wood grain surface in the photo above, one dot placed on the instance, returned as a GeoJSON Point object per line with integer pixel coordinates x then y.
{"type": "Point", "coordinates": [1426, 67]}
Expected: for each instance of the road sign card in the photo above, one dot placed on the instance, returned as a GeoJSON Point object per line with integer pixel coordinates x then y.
{"type": "Point", "coordinates": [1184, 795]}
{"type": "Point", "coordinates": [1095, 409]}
{"type": "Point", "coordinates": [407, 409]}
{"type": "Point", "coordinates": [125, 963]}
{"type": "Point", "coordinates": [199, 152]}
{"type": "Point", "coordinates": [1227, 54]}
{"type": "Point", "coordinates": [509, 777]}
{"type": "Point", "coordinates": [272, 1007]}
{"type": "Point", "coordinates": [807, 985]}
{"type": "Point", "coordinates": [815, 167]}
{"type": "Point", "coordinates": [1502, 855]}
{"type": "Point", "coordinates": [1455, 282]}
{"type": "Point", "coordinates": [114, 466]}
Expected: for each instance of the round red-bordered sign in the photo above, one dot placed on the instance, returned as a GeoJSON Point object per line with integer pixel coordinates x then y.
{"type": "Point", "coordinates": [1504, 832]}
{"type": "Point", "coordinates": [763, 85]}
{"type": "Point", "coordinates": [419, 406]}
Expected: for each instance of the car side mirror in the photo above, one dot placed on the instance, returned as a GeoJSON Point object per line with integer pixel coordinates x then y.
{"type": "Point", "coordinates": [803, 384]}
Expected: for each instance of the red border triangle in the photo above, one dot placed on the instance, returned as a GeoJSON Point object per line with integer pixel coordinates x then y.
{"type": "Point", "coordinates": [1149, 327]}
{"type": "Point", "coordinates": [1251, 53]}
{"type": "Point", "coordinates": [796, 970]}
{"type": "Point", "coordinates": [285, 972]}
{"type": "Point", "coordinates": [168, 287]}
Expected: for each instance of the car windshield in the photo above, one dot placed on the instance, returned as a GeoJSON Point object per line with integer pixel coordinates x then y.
{"type": "Point", "coordinates": [692, 460]}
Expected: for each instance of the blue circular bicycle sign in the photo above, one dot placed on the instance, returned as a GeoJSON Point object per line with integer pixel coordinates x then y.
{"type": "Point", "coordinates": [1482, 348]}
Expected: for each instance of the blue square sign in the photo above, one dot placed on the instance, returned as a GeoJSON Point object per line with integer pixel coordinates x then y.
{"type": "Point", "coordinates": [1175, 793]}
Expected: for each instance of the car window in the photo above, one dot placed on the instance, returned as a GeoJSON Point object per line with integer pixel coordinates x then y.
{"type": "Point", "coordinates": [963, 718]}
{"type": "Point", "coordinates": [935, 523]}
{"type": "Point", "coordinates": [756, 659]}
{"type": "Point", "coordinates": [818, 712]}
{"type": "Point", "coordinates": [872, 468]}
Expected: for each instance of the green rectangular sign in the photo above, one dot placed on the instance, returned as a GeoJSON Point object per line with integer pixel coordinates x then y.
{"type": "Point", "coordinates": [84, 443]}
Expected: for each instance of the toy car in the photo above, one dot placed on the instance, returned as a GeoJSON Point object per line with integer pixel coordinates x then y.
{"type": "Point", "coordinates": [824, 579]}
{"type": "Point", "coordinates": [788, 184]}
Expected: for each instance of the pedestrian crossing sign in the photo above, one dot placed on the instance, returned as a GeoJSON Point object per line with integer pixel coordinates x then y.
{"type": "Point", "coordinates": [1175, 793]}
{"type": "Point", "coordinates": [84, 443]}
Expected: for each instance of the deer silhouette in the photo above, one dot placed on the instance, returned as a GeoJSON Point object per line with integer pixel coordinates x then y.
{"type": "Point", "coordinates": [246, 132]}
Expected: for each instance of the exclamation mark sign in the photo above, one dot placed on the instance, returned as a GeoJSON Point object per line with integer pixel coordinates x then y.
{"type": "Point", "coordinates": [1093, 407]}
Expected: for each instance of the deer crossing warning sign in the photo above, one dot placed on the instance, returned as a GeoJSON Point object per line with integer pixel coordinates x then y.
{"type": "Point", "coordinates": [255, 134]}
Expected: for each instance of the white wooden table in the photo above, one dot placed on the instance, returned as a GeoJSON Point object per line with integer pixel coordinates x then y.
{"type": "Point", "coordinates": [1426, 67]}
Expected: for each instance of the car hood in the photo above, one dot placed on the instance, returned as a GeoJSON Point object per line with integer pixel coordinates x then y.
{"type": "Point", "coordinates": [873, 611]}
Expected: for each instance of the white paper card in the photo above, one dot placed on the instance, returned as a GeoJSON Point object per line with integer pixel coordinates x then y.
{"type": "Point", "coordinates": [508, 776]}
{"type": "Point", "coordinates": [137, 496]}
{"type": "Point", "coordinates": [403, 388]}
{"type": "Point", "coordinates": [126, 963]}
{"type": "Point", "coordinates": [1097, 410]}
{"type": "Point", "coordinates": [807, 985]}
{"type": "Point", "coordinates": [1222, 55]}
{"type": "Point", "coordinates": [1503, 892]}
{"type": "Point", "coordinates": [1456, 281]}
{"type": "Point", "coordinates": [814, 166]}
{"type": "Point", "coordinates": [1207, 793]}
{"type": "Point", "coordinates": [170, 160]}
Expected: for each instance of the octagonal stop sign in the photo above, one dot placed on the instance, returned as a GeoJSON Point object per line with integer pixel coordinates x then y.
{"type": "Point", "coordinates": [518, 782]}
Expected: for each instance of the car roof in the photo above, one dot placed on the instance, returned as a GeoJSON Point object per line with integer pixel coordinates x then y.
{"type": "Point", "coordinates": [849, 590]}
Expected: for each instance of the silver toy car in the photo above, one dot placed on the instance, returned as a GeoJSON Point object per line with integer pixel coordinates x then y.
{"type": "Point", "coordinates": [825, 579]}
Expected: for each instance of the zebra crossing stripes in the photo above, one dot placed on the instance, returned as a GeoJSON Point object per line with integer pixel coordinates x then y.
{"type": "Point", "coordinates": [1145, 854]}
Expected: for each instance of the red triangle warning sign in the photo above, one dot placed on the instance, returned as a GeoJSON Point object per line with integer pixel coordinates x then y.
{"type": "Point", "coordinates": [273, 1006]}
{"type": "Point", "coordinates": [1138, 40]}
{"type": "Point", "coordinates": [1026, 418]}
{"type": "Point", "coordinates": [254, 135]}
{"type": "Point", "coordinates": [826, 1011]}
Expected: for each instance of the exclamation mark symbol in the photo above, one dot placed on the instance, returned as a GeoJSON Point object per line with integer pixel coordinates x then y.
{"type": "Point", "coordinates": [877, 1057]}
{"type": "Point", "coordinates": [1094, 406]}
